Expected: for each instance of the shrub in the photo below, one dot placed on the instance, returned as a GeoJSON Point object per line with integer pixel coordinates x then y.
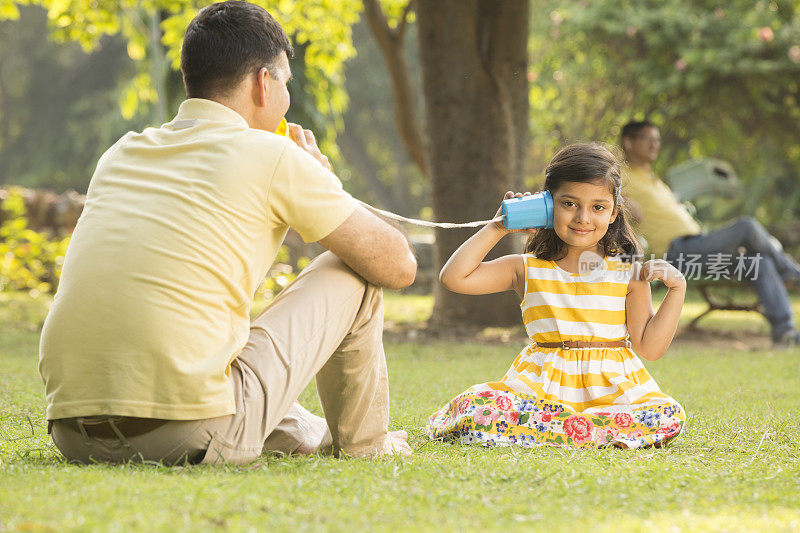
{"type": "Point", "coordinates": [29, 260]}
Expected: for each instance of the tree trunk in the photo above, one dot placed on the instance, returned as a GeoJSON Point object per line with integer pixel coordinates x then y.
{"type": "Point", "coordinates": [390, 42]}
{"type": "Point", "coordinates": [473, 55]}
{"type": "Point", "coordinates": [4, 131]}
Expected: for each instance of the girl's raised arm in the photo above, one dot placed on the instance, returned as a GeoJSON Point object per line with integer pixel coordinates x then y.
{"type": "Point", "coordinates": [465, 271]}
{"type": "Point", "coordinates": [651, 333]}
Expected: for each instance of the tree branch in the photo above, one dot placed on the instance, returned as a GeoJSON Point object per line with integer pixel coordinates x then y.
{"type": "Point", "coordinates": [135, 18]}
{"type": "Point", "coordinates": [400, 31]}
{"type": "Point", "coordinates": [391, 45]}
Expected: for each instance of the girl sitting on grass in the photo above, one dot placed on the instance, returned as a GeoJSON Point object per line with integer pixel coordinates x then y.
{"type": "Point", "coordinates": [585, 303]}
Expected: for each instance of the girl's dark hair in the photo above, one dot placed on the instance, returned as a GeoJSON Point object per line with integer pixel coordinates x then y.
{"type": "Point", "coordinates": [587, 163]}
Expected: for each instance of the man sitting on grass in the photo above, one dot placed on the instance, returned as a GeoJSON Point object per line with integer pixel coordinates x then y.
{"type": "Point", "coordinates": [672, 232]}
{"type": "Point", "coordinates": [148, 352]}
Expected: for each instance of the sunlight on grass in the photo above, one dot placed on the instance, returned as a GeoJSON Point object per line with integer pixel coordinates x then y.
{"type": "Point", "coordinates": [733, 519]}
{"type": "Point", "coordinates": [406, 308]}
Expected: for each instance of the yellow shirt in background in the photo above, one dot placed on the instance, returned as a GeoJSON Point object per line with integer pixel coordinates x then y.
{"type": "Point", "coordinates": [181, 225]}
{"type": "Point", "coordinates": [663, 218]}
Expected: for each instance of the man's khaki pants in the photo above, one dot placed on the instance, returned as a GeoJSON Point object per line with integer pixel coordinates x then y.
{"type": "Point", "coordinates": [327, 323]}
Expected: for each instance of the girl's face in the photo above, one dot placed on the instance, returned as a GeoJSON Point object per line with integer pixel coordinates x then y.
{"type": "Point", "coordinates": [582, 213]}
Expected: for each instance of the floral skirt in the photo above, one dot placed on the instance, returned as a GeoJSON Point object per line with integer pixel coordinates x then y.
{"type": "Point", "coordinates": [490, 417]}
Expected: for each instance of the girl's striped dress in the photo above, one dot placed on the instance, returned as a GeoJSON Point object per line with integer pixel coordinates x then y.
{"type": "Point", "coordinates": [567, 397]}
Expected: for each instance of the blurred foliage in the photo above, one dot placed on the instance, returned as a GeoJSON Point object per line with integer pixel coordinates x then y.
{"type": "Point", "coordinates": [9, 9]}
{"type": "Point", "coordinates": [153, 32]}
{"type": "Point", "coordinates": [58, 105]}
{"type": "Point", "coordinates": [719, 78]}
{"type": "Point", "coordinates": [29, 260]}
{"type": "Point", "coordinates": [375, 165]}
{"type": "Point", "coordinates": [281, 273]}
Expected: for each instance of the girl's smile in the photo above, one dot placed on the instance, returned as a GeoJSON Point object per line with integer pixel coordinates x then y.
{"type": "Point", "coordinates": [583, 212]}
{"type": "Point", "coordinates": [581, 231]}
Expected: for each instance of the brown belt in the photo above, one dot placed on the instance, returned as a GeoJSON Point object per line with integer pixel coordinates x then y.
{"type": "Point", "coordinates": [576, 345]}
{"type": "Point", "coordinates": [129, 426]}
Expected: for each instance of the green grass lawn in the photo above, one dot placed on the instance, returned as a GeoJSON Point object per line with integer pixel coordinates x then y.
{"type": "Point", "coordinates": [735, 468]}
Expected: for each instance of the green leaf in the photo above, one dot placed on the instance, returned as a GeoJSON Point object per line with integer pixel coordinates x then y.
{"type": "Point", "coordinates": [8, 10]}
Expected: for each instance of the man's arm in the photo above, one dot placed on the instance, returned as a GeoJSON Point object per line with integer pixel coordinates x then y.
{"type": "Point", "coordinates": [375, 250]}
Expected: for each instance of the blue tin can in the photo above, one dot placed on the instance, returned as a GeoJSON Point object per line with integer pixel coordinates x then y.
{"type": "Point", "coordinates": [533, 211]}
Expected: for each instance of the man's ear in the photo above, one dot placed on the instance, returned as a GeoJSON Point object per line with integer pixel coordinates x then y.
{"type": "Point", "coordinates": [626, 143]}
{"type": "Point", "coordinates": [261, 88]}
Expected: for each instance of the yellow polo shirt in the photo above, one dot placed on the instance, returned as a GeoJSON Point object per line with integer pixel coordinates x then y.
{"type": "Point", "coordinates": [663, 218]}
{"type": "Point", "coordinates": [181, 224]}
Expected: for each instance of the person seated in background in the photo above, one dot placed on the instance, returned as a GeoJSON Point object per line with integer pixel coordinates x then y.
{"type": "Point", "coordinates": [742, 249]}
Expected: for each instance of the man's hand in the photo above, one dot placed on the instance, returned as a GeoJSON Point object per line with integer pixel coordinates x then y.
{"type": "Point", "coordinates": [305, 140]}
{"type": "Point", "coordinates": [660, 269]}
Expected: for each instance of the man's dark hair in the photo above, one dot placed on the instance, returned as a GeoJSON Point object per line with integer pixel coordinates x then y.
{"type": "Point", "coordinates": [633, 127]}
{"type": "Point", "coordinates": [227, 41]}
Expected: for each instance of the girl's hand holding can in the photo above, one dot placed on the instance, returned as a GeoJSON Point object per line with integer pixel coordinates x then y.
{"type": "Point", "coordinates": [500, 226]}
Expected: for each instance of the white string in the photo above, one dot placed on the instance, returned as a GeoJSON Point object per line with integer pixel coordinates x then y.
{"type": "Point", "coordinates": [426, 223]}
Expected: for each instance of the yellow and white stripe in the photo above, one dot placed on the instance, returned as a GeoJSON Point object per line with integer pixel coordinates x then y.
{"type": "Point", "coordinates": [560, 306]}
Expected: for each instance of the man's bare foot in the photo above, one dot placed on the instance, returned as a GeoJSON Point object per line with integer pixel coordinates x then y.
{"type": "Point", "coordinates": [317, 439]}
{"type": "Point", "coordinates": [396, 444]}
{"type": "Point", "coordinates": [400, 434]}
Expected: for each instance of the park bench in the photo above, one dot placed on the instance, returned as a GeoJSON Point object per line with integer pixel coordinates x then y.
{"type": "Point", "coordinates": [723, 295]}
